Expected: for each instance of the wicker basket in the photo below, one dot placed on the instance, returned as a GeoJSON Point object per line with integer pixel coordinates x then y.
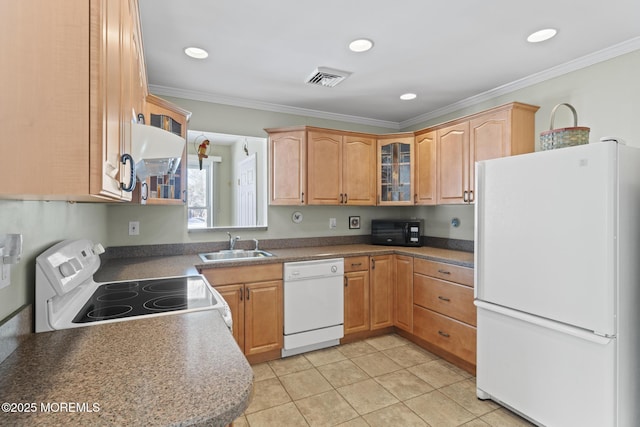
{"type": "Point", "coordinates": [564, 137]}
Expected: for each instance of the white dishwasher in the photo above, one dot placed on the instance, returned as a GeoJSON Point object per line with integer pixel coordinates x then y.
{"type": "Point", "coordinates": [313, 305]}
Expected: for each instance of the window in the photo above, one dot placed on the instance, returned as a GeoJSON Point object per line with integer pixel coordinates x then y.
{"type": "Point", "coordinates": [199, 207]}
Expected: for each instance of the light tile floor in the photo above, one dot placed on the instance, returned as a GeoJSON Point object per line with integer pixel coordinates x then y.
{"type": "Point", "coordinates": [382, 381]}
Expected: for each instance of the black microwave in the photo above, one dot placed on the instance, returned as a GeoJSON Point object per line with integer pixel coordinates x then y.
{"type": "Point", "coordinates": [397, 232]}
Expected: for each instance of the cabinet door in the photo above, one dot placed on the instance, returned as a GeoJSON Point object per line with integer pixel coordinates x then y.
{"type": "Point", "coordinates": [425, 170]}
{"type": "Point", "coordinates": [356, 302]}
{"type": "Point", "coordinates": [166, 189]}
{"type": "Point", "coordinates": [324, 163]}
{"type": "Point", "coordinates": [489, 137]}
{"type": "Point", "coordinates": [287, 171]}
{"type": "Point", "coordinates": [234, 296]}
{"type": "Point", "coordinates": [263, 326]}
{"type": "Point", "coordinates": [453, 164]}
{"type": "Point", "coordinates": [395, 171]}
{"type": "Point", "coordinates": [108, 177]}
{"type": "Point", "coordinates": [381, 284]}
{"type": "Point", "coordinates": [403, 297]}
{"type": "Point", "coordinates": [359, 170]}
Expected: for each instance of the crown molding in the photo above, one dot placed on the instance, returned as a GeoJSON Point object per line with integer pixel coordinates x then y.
{"type": "Point", "coordinates": [266, 106]}
{"type": "Point", "coordinates": [574, 65]}
{"type": "Point", "coordinates": [550, 73]}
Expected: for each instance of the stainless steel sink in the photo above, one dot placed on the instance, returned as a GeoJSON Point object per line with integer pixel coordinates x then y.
{"type": "Point", "coordinates": [237, 254]}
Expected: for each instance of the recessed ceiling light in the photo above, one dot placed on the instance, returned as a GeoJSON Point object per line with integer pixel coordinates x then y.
{"type": "Point", "coordinates": [408, 96]}
{"type": "Point", "coordinates": [196, 52]}
{"type": "Point", "coordinates": [542, 35]}
{"type": "Point", "coordinates": [361, 45]}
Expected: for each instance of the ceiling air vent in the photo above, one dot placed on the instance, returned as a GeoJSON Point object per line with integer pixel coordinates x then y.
{"type": "Point", "coordinates": [323, 76]}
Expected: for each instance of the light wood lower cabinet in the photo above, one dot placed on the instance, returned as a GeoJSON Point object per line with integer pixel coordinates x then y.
{"type": "Point", "coordinates": [356, 295]}
{"type": "Point", "coordinates": [443, 311]}
{"type": "Point", "coordinates": [403, 292]}
{"type": "Point", "coordinates": [456, 338]}
{"type": "Point", "coordinates": [382, 280]}
{"type": "Point", "coordinates": [254, 294]}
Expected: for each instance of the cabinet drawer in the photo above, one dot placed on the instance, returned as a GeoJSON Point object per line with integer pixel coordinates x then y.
{"type": "Point", "coordinates": [446, 298]}
{"type": "Point", "coordinates": [356, 263]}
{"type": "Point", "coordinates": [450, 335]}
{"type": "Point", "coordinates": [441, 270]}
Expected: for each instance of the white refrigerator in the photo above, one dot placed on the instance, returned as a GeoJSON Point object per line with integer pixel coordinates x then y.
{"type": "Point", "coordinates": [557, 284]}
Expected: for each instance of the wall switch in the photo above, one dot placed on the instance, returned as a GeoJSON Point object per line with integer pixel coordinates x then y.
{"type": "Point", "coordinates": [5, 275]}
{"type": "Point", "coordinates": [134, 228]}
{"type": "Point", "coordinates": [332, 223]}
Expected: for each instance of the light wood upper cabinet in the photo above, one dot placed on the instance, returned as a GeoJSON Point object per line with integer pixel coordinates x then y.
{"type": "Point", "coordinates": [165, 189]}
{"type": "Point", "coordinates": [359, 170]}
{"type": "Point", "coordinates": [502, 131]}
{"type": "Point", "coordinates": [287, 166]}
{"type": "Point", "coordinates": [425, 169]}
{"type": "Point", "coordinates": [324, 174]}
{"type": "Point", "coordinates": [341, 168]}
{"type": "Point", "coordinates": [395, 170]}
{"type": "Point", "coordinates": [453, 163]}
{"type": "Point", "coordinates": [432, 166]}
{"type": "Point", "coordinates": [317, 166]}
{"type": "Point", "coordinates": [68, 104]}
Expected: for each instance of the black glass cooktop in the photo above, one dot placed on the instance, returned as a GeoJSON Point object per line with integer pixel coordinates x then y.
{"type": "Point", "coordinates": [144, 297]}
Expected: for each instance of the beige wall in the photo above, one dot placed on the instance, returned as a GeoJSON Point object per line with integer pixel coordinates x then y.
{"type": "Point", "coordinates": [43, 224]}
{"type": "Point", "coordinates": [606, 95]}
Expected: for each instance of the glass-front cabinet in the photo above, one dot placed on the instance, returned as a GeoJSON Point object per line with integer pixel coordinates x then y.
{"type": "Point", "coordinates": [395, 170]}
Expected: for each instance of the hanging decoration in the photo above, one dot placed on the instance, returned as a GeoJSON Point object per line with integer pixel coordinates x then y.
{"type": "Point", "coordinates": [202, 146]}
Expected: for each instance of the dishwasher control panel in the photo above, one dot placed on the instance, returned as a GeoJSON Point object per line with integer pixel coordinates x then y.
{"type": "Point", "coordinates": [317, 268]}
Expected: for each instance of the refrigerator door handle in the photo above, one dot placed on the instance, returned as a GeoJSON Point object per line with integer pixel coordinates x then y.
{"type": "Point", "coordinates": [545, 323]}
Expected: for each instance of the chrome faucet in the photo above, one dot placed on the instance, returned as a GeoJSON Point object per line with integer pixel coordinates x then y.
{"type": "Point", "coordinates": [232, 241]}
{"type": "Point", "coordinates": [256, 241]}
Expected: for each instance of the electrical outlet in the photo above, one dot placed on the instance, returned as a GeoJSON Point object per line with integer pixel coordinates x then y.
{"type": "Point", "coordinates": [134, 228]}
{"type": "Point", "coordinates": [332, 223]}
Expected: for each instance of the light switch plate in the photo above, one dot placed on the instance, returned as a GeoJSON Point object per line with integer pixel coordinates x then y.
{"type": "Point", "coordinates": [5, 275]}
{"type": "Point", "coordinates": [332, 223]}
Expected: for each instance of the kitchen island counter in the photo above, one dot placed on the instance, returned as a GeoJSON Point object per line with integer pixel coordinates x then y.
{"type": "Point", "coordinates": [182, 369]}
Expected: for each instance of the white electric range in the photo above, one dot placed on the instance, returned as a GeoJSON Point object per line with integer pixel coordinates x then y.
{"type": "Point", "coordinates": [68, 297]}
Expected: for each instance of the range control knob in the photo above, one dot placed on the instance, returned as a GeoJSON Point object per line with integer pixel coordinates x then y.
{"type": "Point", "coordinates": [67, 269]}
{"type": "Point", "coordinates": [334, 268]}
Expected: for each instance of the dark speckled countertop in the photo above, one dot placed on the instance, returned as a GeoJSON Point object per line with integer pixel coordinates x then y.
{"type": "Point", "coordinates": [162, 266]}
{"type": "Point", "coordinates": [182, 369]}
{"type": "Point", "coordinates": [169, 370]}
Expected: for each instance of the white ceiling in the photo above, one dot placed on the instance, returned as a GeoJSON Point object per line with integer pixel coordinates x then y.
{"type": "Point", "coordinates": [447, 51]}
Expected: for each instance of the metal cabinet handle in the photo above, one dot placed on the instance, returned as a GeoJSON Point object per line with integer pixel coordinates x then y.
{"type": "Point", "coordinates": [415, 199]}
{"type": "Point", "coordinates": [358, 264]}
{"type": "Point", "coordinates": [341, 198]}
{"type": "Point", "coordinates": [444, 334]}
{"type": "Point", "coordinates": [248, 294]}
{"type": "Point", "coordinates": [444, 272]}
{"type": "Point", "coordinates": [184, 196]}
{"type": "Point", "coordinates": [440, 297]}
{"type": "Point", "coordinates": [303, 197]}
{"type": "Point", "coordinates": [471, 196]}
{"type": "Point", "coordinates": [465, 196]}
{"type": "Point", "coordinates": [132, 176]}
{"type": "Point", "coordinates": [346, 199]}
{"type": "Point", "coordinates": [373, 264]}
{"type": "Point", "coordinates": [346, 282]}
{"type": "Point", "coordinates": [241, 294]}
